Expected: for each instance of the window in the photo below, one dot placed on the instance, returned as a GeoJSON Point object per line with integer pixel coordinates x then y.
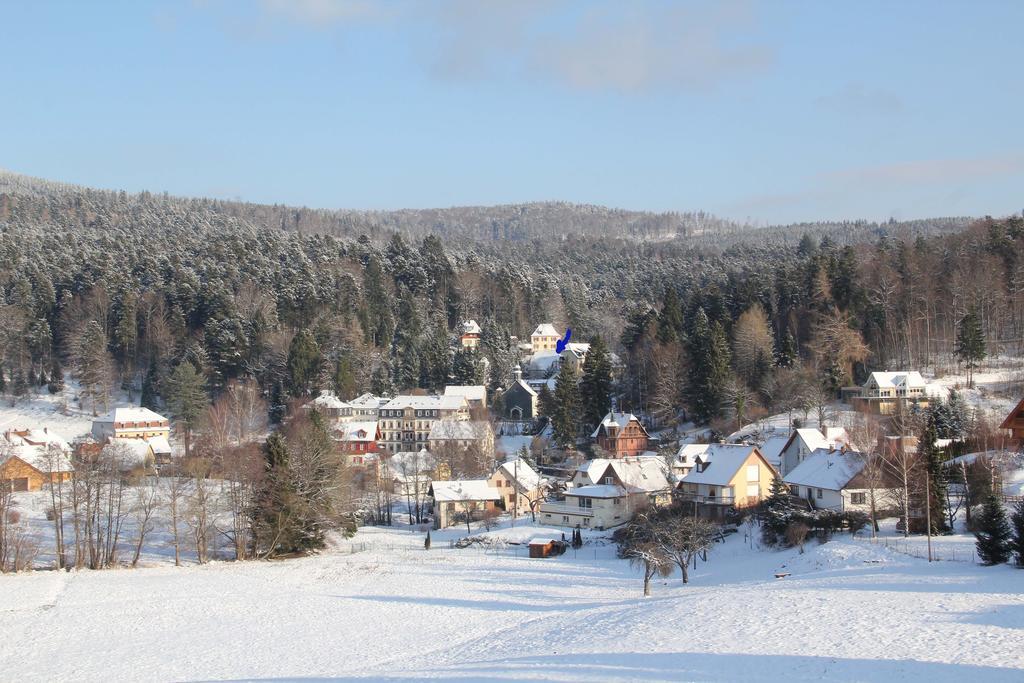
{"type": "Point", "coordinates": [858, 498]}
{"type": "Point", "coordinates": [617, 501]}
{"type": "Point", "coordinates": [586, 503]}
{"type": "Point", "coordinates": [753, 472]}
{"type": "Point", "coordinates": [794, 489]}
{"type": "Point", "coordinates": [565, 519]}
{"type": "Point", "coordinates": [711, 492]}
{"type": "Point", "coordinates": [819, 493]}
{"type": "Point", "coordinates": [609, 481]}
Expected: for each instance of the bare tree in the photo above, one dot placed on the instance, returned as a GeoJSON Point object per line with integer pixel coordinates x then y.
{"type": "Point", "coordinates": [176, 492]}
{"type": "Point", "coordinates": [865, 435]}
{"type": "Point", "coordinates": [144, 504]}
{"type": "Point", "coordinates": [56, 463]}
{"type": "Point", "coordinates": [682, 538]}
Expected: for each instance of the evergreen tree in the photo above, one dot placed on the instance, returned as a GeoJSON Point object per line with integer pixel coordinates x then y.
{"type": "Point", "coordinates": [426, 541]}
{"type": "Point", "coordinates": [436, 359]}
{"type": "Point", "coordinates": [344, 379]}
{"type": "Point", "coordinates": [468, 367]}
{"type": "Point", "coordinates": [565, 421]}
{"type": "Point", "coordinates": [150, 386]}
{"type": "Point", "coordinates": [970, 344]}
{"type": "Point", "coordinates": [709, 369]}
{"type": "Point", "coordinates": [3, 379]}
{"type": "Point", "coordinates": [1017, 543]}
{"type": "Point", "coordinates": [278, 406]}
{"type": "Point", "coordinates": [596, 383]}
{"type": "Point", "coordinates": [937, 484]}
{"type": "Point", "coordinates": [304, 363]}
{"type": "Point", "coordinates": [380, 379]}
{"type": "Point", "coordinates": [546, 402]}
{"type": "Point", "coordinates": [786, 353]}
{"type": "Point", "coordinates": [19, 385]}
{"type": "Point", "coordinates": [56, 384]}
{"type": "Point", "coordinates": [670, 320]}
{"type": "Point", "coordinates": [993, 534]}
{"type": "Point", "coordinates": [93, 364]}
{"type": "Point", "coordinates": [186, 399]}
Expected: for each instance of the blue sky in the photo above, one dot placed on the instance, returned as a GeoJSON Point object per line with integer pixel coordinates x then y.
{"type": "Point", "coordinates": [774, 112]}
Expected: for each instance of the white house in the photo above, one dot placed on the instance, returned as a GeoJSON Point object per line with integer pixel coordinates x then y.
{"type": "Point", "coordinates": [521, 488]}
{"type": "Point", "coordinates": [605, 493]}
{"type": "Point", "coordinates": [454, 500]}
{"type": "Point", "coordinates": [832, 479]}
{"type": "Point", "coordinates": [475, 395]}
{"type": "Point", "coordinates": [803, 442]}
{"type": "Point", "coordinates": [332, 407]}
{"type": "Point", "coordinates": [130, 423]}
{"type": "Point", "coordinates": [884, 391]}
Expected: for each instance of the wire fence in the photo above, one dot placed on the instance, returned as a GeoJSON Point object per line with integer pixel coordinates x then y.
{"type": "Point", "coordinates": [495, 550]}
{"type": "Point", "coordinates": [918, 547]}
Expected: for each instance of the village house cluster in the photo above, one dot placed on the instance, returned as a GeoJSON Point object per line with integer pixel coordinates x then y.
{"type": "Point", "coordinates": [407, 444]}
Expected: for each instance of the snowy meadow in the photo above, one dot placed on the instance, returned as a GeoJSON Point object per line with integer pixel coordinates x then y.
{"type": "Point", "coordinates": [380, 607]}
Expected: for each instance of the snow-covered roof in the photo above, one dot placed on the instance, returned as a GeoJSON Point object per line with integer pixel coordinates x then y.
{"type": "Point", "coordinates": [578, 349]}
{"type": "Point", "coordinates": [526, 387]}
{"type": "Point", "coordinates": [470, 392]}
{"type": "Point", "coordinates": [722, 461]}
{"type": "Point", "coordinates": [136, 451]}
{"type": "Point", "coordinates": [813, 439]}
{"type": "Point", "coordinates": [617, 420]}
{"type": "Point", "coordinates": [132, 414]}
{"type": "Point", "coordinates": [33, 447]}
{"type": "Point", "coordinates": [412, 461]}
{"type": "Point", "coordinates": [469, 489]}
{"type": "Point", "coordinates": [826, 469]}
{"type": "Point", "coordinates": [159, 444]}
{"type": "Point", "coordinates": [899, 380]}
{"type": "Point", "coordinates": [527, 476]}
{"type": "Point", "coordinates": [773, 447]}
{"type": "Point", "coordinates": [543, 540]}
{"type": "Point", "coordinates": [470, 327]}
{"type": "Point", "coordinates": [368, 400]}
{"type": "Point", "coordinates": [358, 431]}
{"type": "Point", "coordinates": [596, 491]}
{"type": "Point", "coordinates": [327, 399]}
{"type": "Point", "coordinates": [425, 403]}
{"type": "Point", "coordinates": [457, 430]}
{"type": "Point", "coordinates": [643, 473]}
{"type": "Point", "coordinates": [542, 361]}
{"type": "Point", "coordinates": [687, 453]}
{"type": "Point", "coordinates": [545, 330]}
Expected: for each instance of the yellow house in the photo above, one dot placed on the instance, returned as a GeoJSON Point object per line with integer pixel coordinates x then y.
{"type": "Point", "coordinates": [544, 338]}
{"type": "Point", "coordinates": [725, 477]}
{"type": "Point", "coordinates": [30, 459]}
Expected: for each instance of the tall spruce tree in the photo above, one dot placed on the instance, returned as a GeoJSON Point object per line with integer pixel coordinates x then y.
{"type": "Point", "coordinates": [186, 399]}
{"type": "Point", "coordinates": [596, 383]}
{"type": "Point", "coordinates": [709, 369]}
{"type": "Point", "coordinates": [150, 386]}
{"type": "Point", "coordinates": [468, 367]}
{"type": "Point", "coordinates": [937, 483]}
{"type": "Point", "coordinates": [565, 422]}
{"type": "Point", "coordinates": [1017, 542]}
{"type": "Point", "coordinates": [970, 344]}
{"type": "Point", "coordinates": [304, 363]}
{"type": "Point", "coordinates": [993, 534]}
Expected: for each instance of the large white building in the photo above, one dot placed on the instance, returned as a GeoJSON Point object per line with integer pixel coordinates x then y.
{"type": "Point", "coordinates": [406, 421]}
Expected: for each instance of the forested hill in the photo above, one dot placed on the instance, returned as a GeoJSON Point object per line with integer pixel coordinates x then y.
{"type": "Point", "coordinates": [543, 221]}
{"type": "Point", "coordinates": [136, 284]}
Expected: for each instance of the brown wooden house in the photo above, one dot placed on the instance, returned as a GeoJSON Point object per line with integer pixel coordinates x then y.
{"type": "Point", "coordinates": [1015, 423]}
{"type": "Point", "coordinates": [621, 435]}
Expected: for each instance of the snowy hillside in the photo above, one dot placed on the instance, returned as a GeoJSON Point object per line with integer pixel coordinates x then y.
{"type": "Point", "coordinates": [848, 611]}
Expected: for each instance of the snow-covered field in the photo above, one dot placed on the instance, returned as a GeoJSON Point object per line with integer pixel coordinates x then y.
{"type": "Point", "coordinates": [849, 611]}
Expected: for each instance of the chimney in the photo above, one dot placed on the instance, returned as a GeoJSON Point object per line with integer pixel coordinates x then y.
{"type": "Point", "coordinates": [517, 372]}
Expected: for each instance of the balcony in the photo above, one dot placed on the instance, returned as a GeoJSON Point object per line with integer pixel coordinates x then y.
{"type": "Point", "coordinates": [560, 509]}
{"type": "Point", "coordinates": [708, 500]}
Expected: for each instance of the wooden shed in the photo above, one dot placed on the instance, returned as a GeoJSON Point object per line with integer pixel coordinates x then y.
{"type": "Point", "coordinates": [546, 547]}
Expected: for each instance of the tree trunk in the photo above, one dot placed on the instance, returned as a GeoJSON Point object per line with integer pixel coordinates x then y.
{"type": "Point", "coordinates": [647, 579]}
